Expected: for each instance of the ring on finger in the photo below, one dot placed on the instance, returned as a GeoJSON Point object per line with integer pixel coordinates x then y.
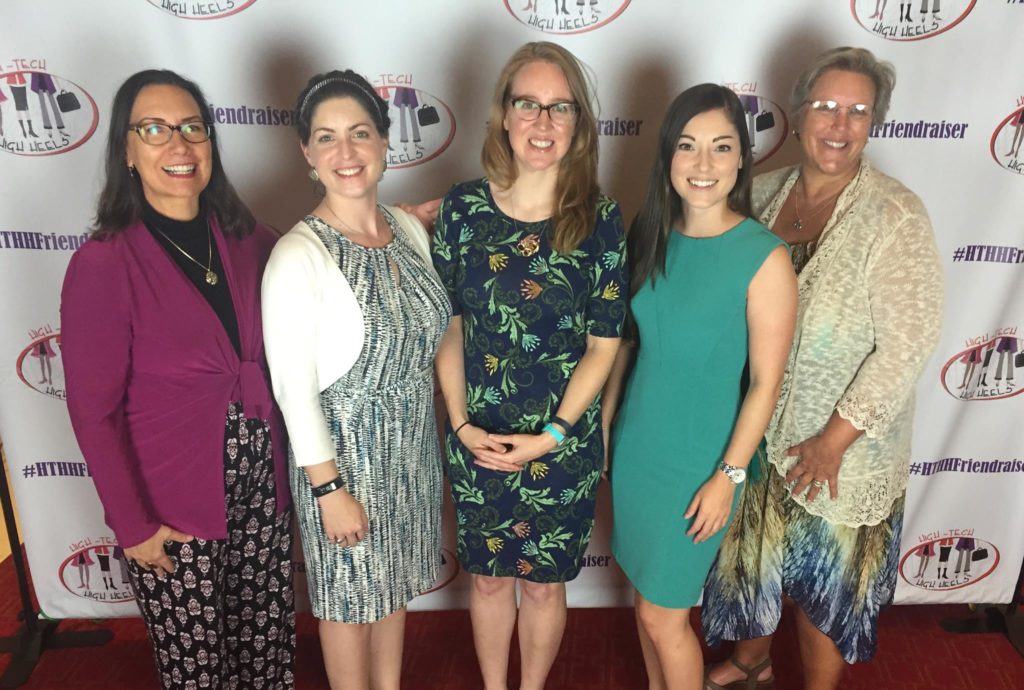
{"type": "Point", "coordinates": [817, 483]}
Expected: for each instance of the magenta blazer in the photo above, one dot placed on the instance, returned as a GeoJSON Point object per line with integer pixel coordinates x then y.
{"type": "Point", "coordinates": [149, 373]}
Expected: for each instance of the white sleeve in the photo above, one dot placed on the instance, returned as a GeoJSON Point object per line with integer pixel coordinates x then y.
{"type": "Point", "coordinates": [292, 289]}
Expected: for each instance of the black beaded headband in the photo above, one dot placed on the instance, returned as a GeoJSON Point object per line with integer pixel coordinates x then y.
{"type": "Point", "coordinates": [374, 98]}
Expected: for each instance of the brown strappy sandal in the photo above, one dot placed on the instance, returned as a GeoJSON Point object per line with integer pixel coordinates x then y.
{"type": "Point", "coordinates": [749, 683]}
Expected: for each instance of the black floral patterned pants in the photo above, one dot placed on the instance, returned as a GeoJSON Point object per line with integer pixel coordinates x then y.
{"type": "Point", "coordinates": [226, 618]}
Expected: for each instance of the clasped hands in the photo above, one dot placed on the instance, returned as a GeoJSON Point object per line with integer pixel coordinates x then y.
{"type": "Point", "coordinates": [505, 452]}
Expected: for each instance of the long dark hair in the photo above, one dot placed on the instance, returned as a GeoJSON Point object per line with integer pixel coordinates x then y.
{"type": "Point", "coordinates": [122, 199]}
{"type": "Point", "coordinates": [662, 208]}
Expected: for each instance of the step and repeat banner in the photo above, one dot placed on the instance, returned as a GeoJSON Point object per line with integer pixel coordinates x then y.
{"type": "Point", "coordinates": [954, 136]}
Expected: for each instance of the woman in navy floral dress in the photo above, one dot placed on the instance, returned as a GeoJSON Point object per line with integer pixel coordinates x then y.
{"type": "Point", "coordinates": [533, 259]}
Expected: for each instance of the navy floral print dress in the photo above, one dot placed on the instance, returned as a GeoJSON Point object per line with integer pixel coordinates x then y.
{"type": "Point", "coordinates": [526, 313]}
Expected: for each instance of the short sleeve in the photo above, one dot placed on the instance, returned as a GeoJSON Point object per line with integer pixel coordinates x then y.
{"type": "Point", "coordinates": [445, 249]}
{"type": "Point", "coordinates": [609, 274]}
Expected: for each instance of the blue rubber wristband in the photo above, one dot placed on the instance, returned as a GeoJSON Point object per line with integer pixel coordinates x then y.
{"type": "Point", "coordinates": [555, 433]}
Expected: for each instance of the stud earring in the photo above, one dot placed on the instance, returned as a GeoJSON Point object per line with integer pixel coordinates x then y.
{"type": "Point", "coordinates": [131, 170]}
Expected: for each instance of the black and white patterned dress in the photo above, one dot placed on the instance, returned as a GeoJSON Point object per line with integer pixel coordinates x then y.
{"type": "Point", "coordinates": [381, 418]}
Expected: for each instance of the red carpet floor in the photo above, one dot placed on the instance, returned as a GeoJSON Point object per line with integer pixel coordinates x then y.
{"type": "Point", "coordinates": [600, 652]}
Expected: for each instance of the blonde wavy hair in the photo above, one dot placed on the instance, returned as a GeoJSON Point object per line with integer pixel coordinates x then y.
{"type": "Point", "coordinates": [576, 192]}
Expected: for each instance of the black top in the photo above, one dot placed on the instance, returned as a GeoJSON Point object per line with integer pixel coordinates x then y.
{"type": "Point", "coordinates": [194, 237]}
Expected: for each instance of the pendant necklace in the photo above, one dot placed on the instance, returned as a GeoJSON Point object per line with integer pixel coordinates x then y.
{"type": "Point", "coordinates": [798, 224]}
{"type": "Point", "coordinates": [211, 277]}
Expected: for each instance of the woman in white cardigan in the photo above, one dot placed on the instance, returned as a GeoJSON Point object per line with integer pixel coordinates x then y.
{"type": "Point", "coordinates": [822, 524]}
{"type": "Point", "coordinates": [353, 314]}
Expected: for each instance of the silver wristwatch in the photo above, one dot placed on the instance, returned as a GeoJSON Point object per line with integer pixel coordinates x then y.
{"type": "Point", "coordinates": [736, 475]}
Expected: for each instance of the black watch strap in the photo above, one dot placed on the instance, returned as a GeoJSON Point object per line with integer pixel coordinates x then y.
{"type": "Point", "coordinates": [324, 489]}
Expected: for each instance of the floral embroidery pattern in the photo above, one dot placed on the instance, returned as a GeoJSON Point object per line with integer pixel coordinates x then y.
{"type": "Point", "coordinates": [526, 313]}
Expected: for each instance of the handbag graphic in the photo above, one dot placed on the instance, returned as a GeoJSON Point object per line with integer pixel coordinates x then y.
{"type": "Point", "coordinates": [1018, 359]}
{"type": "Point", "coordinates": [979, 554]}
{"type": "Point", "coordinates": [67, 101]}
{"type": "Point", "coordinates": [427, 115]}
{"type": "Point", "coordinates": [766, 120]}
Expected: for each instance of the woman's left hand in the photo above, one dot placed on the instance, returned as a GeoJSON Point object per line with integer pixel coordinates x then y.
{"type": "Point", "coordinates": [819, 463]}
{"type": "Point", "coordinates": [522, 448]}
{"type": "Point", "coordinates": [711, 504]}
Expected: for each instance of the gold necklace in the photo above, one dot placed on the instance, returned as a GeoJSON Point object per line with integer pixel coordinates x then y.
{"type": "Point", "coordinates": [211, 277]}
{"type": "Point", "coordinates": [345, 226]}
{"type": "Point", "coordinates": [798, 224]}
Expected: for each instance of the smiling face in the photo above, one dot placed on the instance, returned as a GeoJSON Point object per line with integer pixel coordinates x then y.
{"type": "Point", "coordinates": [832, 144]}
{"type": "Point", "coordinates": [345, 148]}
{"type": "Point", "coordinates": [707, 161]}
{"type": "Point", "coordinates": [538, 145]}
{"type": "Point", "coordinates": [172, 174]}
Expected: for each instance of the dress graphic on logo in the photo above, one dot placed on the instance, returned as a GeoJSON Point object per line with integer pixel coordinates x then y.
{"type": "Point", "coordinates": [407, 102]}
{"type": "Point", "coordinates": [82, 561]}
{"type": "Point", "coordinates": [42, 84]}
{"type": "Point", "coordinates": [1017, 122]}
{"type": "Point", "coordinates": [16, 80]}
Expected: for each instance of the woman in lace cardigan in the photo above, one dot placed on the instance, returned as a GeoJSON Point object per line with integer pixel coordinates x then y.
{"type": "Point", "coordinates": [821, 525]}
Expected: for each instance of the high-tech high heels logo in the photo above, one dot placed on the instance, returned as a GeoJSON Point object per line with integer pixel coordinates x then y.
{"type": "Point", "coordinates": [897, 20]}
{"type": "Point", "coordinates": [990, 368]}
{"type": "Point", "coordinates": [41, 113]}
{"type": "Point", "coordinates": [422, 125]}
{"type": "Point", "coordinates": [93, 572]}
{"type": "Point", "coordinates": [1005, 146]}
{"type": "Point", "coordinates": [566, 16]}
{"type": "Point", "coordinates": [767, 123]}
{"type": "Point", "coordinates": [945, 560]}
{"type": "Point", "coordinates": [201, 9]}
{"type": "Point", "coordinates": [39, 365]}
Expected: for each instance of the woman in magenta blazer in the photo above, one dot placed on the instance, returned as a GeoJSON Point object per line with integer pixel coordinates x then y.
{"type": "Point", "coordinates": [169, 394]}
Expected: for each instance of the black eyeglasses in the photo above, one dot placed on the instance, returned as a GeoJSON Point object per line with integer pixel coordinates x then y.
{"type": "Point", "coordinates": [158, 133]}
{"type": "Point", "coordinates": [561, 113]}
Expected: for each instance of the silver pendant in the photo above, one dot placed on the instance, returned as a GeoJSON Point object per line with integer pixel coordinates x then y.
{"type": "Point", "coordinates": [211, 278]}
{"type": "Point", "coordinates": [797, 225]}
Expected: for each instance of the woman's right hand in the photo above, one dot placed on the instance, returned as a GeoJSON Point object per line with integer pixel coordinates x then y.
{"type": "Point", "coordinates": [475, 438]}
{"type": "Point", "coordinates": [345, 521]}
{"type": "Point", "coordinates": [150, 554]}
{"type": "Point", "coordinates": [425, 213]}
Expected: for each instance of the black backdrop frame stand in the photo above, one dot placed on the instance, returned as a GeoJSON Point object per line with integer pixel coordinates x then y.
{"type": "Point", "coordinates": [36, 634]}
{"type": "Point", "coordinates": [1006, 619]}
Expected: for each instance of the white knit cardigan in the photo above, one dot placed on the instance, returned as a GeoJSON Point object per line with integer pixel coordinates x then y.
{"type": "Point", "coordinates": [313, 330]}
{"type": "Point", "coordinates": [869, 317]}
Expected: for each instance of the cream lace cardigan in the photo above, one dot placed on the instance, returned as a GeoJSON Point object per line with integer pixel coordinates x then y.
{"type": "Point", "coordinates": [869, 316]}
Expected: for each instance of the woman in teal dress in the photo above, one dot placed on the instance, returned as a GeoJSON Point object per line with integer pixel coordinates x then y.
{"type": "Point", "coordinates": [533, 257]}
{"type": "Point", "coordinates": [713, 291]}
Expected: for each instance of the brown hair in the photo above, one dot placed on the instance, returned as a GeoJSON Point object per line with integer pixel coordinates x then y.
{"type": "Point", "coordinates": [576, 192]}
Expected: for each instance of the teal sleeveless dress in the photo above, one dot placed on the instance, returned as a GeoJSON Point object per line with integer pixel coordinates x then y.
{"type": "Point", "coordinates": [680, 405]}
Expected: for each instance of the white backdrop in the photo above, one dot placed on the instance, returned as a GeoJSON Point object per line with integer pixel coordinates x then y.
{"type": "Point", "coordinates": [953, 136]}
